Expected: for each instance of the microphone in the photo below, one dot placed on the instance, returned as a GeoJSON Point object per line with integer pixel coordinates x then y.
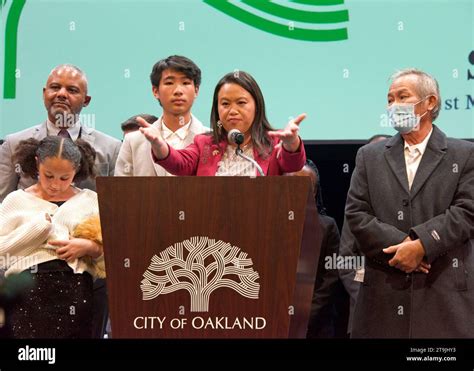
{"type": "Point", "coordinates": [235, 136]}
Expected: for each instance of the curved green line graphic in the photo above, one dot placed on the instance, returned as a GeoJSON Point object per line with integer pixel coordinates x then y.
{"type": "Point", "coordinates": [287, 13]}
{"type": "Point", "coordinates": [298, 15]}
{"type": "Point", "coordinates": [11, 36]}
{"type": "Point", "coordinates": [318, 2]}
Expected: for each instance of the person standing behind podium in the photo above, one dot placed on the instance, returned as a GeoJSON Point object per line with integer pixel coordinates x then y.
{"type": "Point", "coordinates": [353, 277]}
{"type": "Point", "coordinates": [64, 96]}
{"type": "Point", "coordinates": [237, 104]}
{"type": "Point", "coordinates": [175, 84]}
{"type": "Point", "coordinates": [322, 319]}
{"type": "Point", "coordinates": [410, 208]}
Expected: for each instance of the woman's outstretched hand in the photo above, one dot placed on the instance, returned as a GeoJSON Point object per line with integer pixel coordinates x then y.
{"type": "Point", "coordinates": [152, 134]}
{"type": "Point", "coordinates": [289, 135]}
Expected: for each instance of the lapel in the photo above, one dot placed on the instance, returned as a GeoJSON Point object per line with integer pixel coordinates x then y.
{"type": "Point", "coordinates": [87, 135]}
{"type": "Point", "coordinates": [41, 131]}
{"type": "Point", "coordinates": [195, 128]}
{"type": "Point", "coordinates": [396, 160]}
{"type": "Point", "coordinates": [434, 153]}
{"type": "Point", "coordinates": [265, 162]}
{"type": "Point", "coordinates": [211, 155]}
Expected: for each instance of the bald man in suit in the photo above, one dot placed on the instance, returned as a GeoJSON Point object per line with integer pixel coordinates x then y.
{"type": "Point", "coordinates": [64, 95]}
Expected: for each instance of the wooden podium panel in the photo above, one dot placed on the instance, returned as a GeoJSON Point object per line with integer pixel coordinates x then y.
{"type": "Point", "coordinates": [241, 259]}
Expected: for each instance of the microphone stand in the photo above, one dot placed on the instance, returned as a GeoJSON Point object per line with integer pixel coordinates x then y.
{"type": "Point", "coordinates": [239, 152]}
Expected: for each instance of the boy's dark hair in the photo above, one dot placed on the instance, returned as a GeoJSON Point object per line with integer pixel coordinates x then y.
{"type": "Point", "coordinates": [177, 63]}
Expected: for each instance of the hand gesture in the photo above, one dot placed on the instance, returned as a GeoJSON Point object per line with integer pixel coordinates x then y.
{"type": "Point", "coordinates": [289, 135]}
{"type": "Point", "coordinates": [153, 135]}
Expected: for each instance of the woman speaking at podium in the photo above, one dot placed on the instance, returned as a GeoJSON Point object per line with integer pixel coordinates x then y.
{"type": "Point", "coordinates": [242, 142]}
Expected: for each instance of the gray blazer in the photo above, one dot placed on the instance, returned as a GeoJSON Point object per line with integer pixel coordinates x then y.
{"type": "Point", "coordinates": [439, 210]}
{"type": "Point", "coordinates": [107, 149]}
{"type": "Point", "coordinates": [135, 155]}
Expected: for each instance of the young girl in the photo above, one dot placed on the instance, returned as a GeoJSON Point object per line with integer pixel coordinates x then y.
{"type": "Point", "coordinates": [37, 226]}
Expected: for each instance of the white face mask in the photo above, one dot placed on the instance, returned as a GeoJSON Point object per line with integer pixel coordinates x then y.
{"type": "Point", "coordinates": [402, 117]}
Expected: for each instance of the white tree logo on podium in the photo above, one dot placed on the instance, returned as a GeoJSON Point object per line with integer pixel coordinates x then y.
{"type": "Point", "coordinates": [200, 265]}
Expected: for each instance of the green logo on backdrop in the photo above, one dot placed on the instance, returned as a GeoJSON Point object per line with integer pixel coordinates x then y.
{"type": "Point", "coordinates": [289, 25]}
{"type": "Point", "coordinates": [11, 34]}
{"type": "Point", "coordinates": [250, 12]}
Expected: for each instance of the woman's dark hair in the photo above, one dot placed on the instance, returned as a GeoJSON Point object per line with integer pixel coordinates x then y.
{"type": "Point", "coordinates": [260, 126]}
{"type": "Point", "coordinates": [80, 154]}
{"type": "Point", "coordinates": [318, 190]}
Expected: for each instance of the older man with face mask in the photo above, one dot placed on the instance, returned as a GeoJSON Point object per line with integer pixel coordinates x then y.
{"type": "Point", "coordinates": [410, 208]}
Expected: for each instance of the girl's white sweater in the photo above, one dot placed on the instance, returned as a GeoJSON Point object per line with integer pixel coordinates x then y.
{"type": "Point", "coordinates": [25, 230]}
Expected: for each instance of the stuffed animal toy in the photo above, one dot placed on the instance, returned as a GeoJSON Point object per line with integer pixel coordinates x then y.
{"type": "Point", "coordinates": [90, 229]}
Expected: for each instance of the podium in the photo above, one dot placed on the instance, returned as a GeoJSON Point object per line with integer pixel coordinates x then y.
{"type": "Point", "coordinates": [209, 257]}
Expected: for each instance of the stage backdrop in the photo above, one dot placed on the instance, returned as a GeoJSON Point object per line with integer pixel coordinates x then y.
{"type": "Point", "coordinates": [329, 58]}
